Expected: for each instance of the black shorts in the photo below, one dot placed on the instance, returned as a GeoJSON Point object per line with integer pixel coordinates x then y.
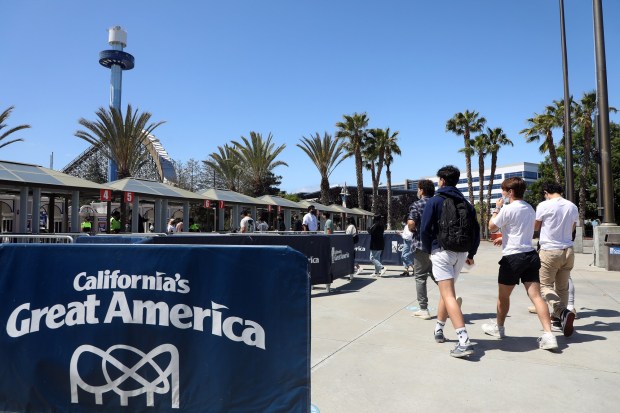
{"type": "Point", "coordinates": [523, 266]}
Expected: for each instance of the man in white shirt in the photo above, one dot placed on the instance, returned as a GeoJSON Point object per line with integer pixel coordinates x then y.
{"type": "Point", "coordinates": [310, 222]}
{"type": "Point", "coordinates": [519, 262]}
{"type": "Point", "coordinates": [247, 223]}
{"type": "Point", "coordinates": [556, 219]}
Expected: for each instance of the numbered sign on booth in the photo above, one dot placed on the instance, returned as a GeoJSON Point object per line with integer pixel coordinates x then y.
{"type": "Point", "coordinates": [268, 208]}
{"type": "Point", "coordinates": [221, 205]}
{"type": "Point", "coordinates": [207, 203]}
{"type": "Point", "coordinates": [128, 196]}
{"type": "Point", "coordinates": [105, 195]}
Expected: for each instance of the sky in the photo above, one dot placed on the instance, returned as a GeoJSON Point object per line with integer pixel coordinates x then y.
{"type": "Point", "coordinates": [216, 70]}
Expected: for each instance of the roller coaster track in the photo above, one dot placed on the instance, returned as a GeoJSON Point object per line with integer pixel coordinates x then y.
{"type": "Point", "coordinates": [165, 168]}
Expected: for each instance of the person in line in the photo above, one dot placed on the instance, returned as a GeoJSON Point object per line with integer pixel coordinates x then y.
{"type": "Point", "coordinates": [115, 222]}
{"type": "Point", "coordinates": [556, 219]}
{"type": "Point", "coordinates": [280, 223]}
{"type": "Point", "coordinates": [247, 222]}
{"type": "Point", "coordinates": [310, 223]}
{"type": "Point", "coordinates": [447, 255]}
{"type": "Point", "coordinates": [352, 230]}
{"type": "Point", "coordinates": [193, 226]}
{"type": "Point", "coordinates": [296, 224]}
{"type": "Point", "coordinates": [422, 265]}
{"type": "Point", "coordinates": [171, 226]}
{"type": "Point", "coordinates": [406, 254]}
{"type": "Point", "coordinates": [262, 225]}
{"type": "Point", "coordinates": [377, 244]}
{"type": "Point", "coordinates": [179, 226]}
{"type": "Point", "coordinates": [87, 225]}
{"type": "Point", "coordinates": [329, 224]}
{"type": "Point", "coordinates": [519, 262]}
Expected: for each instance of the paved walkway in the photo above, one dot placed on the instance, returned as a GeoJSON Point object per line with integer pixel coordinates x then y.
{"type": "Point", "coordinates": [370, 355]}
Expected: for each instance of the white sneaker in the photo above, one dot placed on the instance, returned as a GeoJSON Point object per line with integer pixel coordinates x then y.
{"type": "Point", "coordinates": [547, 342]}
{"type": "Point", "coordinates": [383, 270]}
{"type": "Point", "coordinates": [494, 330]}
{"type": "Point", "coordinates": [422, 313]}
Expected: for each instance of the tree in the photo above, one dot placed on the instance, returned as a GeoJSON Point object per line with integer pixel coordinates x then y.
{"type": "Point", "coordinates": [191, 176]}
{"type": "Point", "coordinates": [543, 124]}
{"type": "Point", "coordinates": [121, 140]}
{"type": "Point", "coordinates": [464, 123]}
{"type": "Point", "coordinates": [374, 159]}
{"type": "Point", "coordinates": [3, 117]}
{"type": "Point", "coordinates": [353, 130]}
{"type": "Point", "coordinates": [391, 148]}
{"type": "Point", "coordinates": [326, 154]}
{"type": "Point", "coordinates": [226, 165]}
{"type": "Point", "coordinates": [480, 144]}
{"type": "Point", "coordinates": [258, 159]}
{"type": "Point", "coordinates": [496, 139]}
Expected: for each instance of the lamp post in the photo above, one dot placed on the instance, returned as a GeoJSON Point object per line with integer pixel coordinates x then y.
{"type": "Point", "coordinates": [568, 137]}
{"type": "Point", "coordinates": [606, 180]}
{"type": "Point", "coordinates": [344, 194]}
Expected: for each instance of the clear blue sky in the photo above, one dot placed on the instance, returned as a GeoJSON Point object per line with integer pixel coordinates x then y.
{"type": "Point", "coordinates": [216, 70]}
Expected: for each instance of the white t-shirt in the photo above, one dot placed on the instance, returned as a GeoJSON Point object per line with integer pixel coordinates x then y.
{"type": "Point", "coordinates": [558, 216]}
{"type": "Point", "coordinates": [516, 220]}
{"type": "Point", "coordinates": [351, 230]}
{"type": "Point", "coordinates": [406, 234]}
{"type": "Point", "coordinates": [247, 224]}
{"type": "Point", "coordinates": [310, 221]}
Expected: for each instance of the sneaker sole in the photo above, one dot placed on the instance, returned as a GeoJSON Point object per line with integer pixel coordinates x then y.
{"type": "Point", "coordinates": [440, 340]}
{"type": "Point", "coordinates": [422, 317]}
{"type": "Point", "coordinates": [568, 325]}
{"type": "Point", "coordinates": [547, 347]}
{"type": "Point", "coordinates": [466, 353]}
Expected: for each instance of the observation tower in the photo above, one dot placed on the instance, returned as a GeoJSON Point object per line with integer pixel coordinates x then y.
{"type": "Point", "coordinates": [116, 60]}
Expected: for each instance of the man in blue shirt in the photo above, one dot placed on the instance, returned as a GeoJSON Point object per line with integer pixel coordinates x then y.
{"type": "Point", "coordinates": [448, 264]}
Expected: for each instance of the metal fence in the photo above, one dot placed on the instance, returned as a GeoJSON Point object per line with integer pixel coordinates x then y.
{"type": "Point", "coordinates": [37, 238]}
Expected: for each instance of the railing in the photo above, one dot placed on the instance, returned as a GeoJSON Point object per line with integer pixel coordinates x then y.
{"type": "Point", "coordinates": [36, 239]}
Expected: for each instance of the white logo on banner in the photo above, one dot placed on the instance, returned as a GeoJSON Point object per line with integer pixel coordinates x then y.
{"type": "Point", "coordinates": [160, 385]}
{"type": "Point", "coordinates": [396, 247]}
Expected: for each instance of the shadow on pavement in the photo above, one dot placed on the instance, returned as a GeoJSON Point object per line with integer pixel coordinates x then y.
{"type": "Point", "coordinates": [350, 287]}
{"type": "Point", "coordinates": [585, 312]}
{"type": "Point", "coordinates": [597, 326]}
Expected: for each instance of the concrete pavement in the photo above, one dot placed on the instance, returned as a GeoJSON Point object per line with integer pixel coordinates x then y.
{"type": "Point", "coordinates": [370, 355]}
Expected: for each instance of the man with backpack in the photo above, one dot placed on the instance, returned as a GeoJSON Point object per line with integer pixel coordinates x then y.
{"type": "Point", "coordinates": [451, 234]}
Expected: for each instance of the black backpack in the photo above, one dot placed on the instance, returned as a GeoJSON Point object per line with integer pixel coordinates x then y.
{"type": "Point", "coordinates": [456, 225]}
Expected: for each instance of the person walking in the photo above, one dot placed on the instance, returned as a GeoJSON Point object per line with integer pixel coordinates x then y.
{"type": "Point", "coordinates": [352, 230]}
{"type": "Point", "coordinates": [310, 223]}
{"type": "Point", "coordinates": [520, 262]}
{"type": "Point", "coordinates": [329, 224]}
{"type": "Point", "coordinates": [377, 244]}
{"type": "Point", "coordinates": [451, 234]}
{"type": "Point", "coordinates": [556, 219]}
{"type": "Point", "coordinates": [422, 265]}
{"type": "Point", "coordinates": [406, 254]}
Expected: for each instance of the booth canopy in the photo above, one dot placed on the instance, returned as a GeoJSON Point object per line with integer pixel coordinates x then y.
{"type": "Point", "coordinates": [14, 175]}
{"type": "Point", "coordinates": [231, 196]}
{"type": "Point", "coordinates": [319, 207]}
{"type": "Point", "coordinates": [344, 210]}
{"type": "Point", "coordinates": [154, 189]}
{"type": "Point", "coordinates": [282, 202]}
{"type": "Point", "coordinates": [362, 212]}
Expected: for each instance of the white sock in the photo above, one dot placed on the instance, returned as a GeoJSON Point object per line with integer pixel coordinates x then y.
{"type": "Point", "coordinates": [570, 307]}
{"type": "Point", "coordinates": [439, 326]}
{"type": "Point", "coordinates": [462, 335]}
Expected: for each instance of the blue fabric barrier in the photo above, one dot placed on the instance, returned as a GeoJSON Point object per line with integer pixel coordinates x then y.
{"type": "Point", "coordinates": [391, 254]}
{"type": "Point", "coordinates": [111, 239]}
{"type": "Point", "coordinates": [155, 328]}
{"type": "Point", "coordinates": [330, 256]}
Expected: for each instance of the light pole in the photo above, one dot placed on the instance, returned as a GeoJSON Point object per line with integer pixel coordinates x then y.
{"type": "Point", "coordinates": [606, 180]}
{"type": "Point", "coordinates": [568, 137]}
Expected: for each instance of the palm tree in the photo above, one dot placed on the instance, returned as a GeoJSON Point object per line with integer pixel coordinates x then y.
{"type": "Point", "coordinates": [496, 139]}
{"type": "Point", "coordinates": [353, 129]}
{"type": "Point", "coordinates": [584, 113]}
{"type": "Point", "coordinates": [480, 145]}
{"type": "Point", "coordinates": [391, 148]}
{"type": "Point", "coordinates": [3, 117]}
{"type": "Point", "coordinates": [374, 159]}
{"type": "Point", "coordinates": [121, 140]}
{"type": "Point", "coordinates": [258, 159]}
{"type": "Point", "coordinates": [326, 154]}
{"type": "Point", "coordinates": [227, 165]}
{"type": "Point", "coordinates": [464, 123]}
{"type": "Point", "coordinates": [543, 124]}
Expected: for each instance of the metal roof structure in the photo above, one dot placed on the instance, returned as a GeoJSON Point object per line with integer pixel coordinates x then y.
{"type": "Point", "coordinates": [14, 175]}
{"type": "Point", "coordinates": [232, 197]}
{"type": "Point", "coordinates": [319, 207]}
{"type": "Point", "coordinates": [155, 189]}
{"type": "Point", "coordinates": [346, 210]}
{"type": "Point", "coordinates": [362, 212]}
{"type": "Point", "coordinates": [282, 202]}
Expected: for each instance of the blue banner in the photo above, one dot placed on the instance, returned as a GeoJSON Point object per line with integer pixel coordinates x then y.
{"type": "Point", "coordinates": [391, 254]}
{"type": "Point", "coordinates": [149, 328]}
